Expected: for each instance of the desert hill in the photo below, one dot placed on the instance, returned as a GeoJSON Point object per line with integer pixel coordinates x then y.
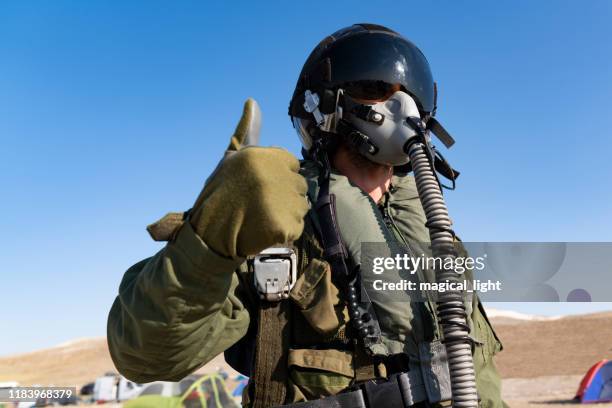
{"type": "Point", "coordinates": [553, 346]}
{"type": "Point", "coordinates": [73, 363]}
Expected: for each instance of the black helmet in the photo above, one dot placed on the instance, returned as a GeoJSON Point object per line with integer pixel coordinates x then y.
{"type": "Point", "coordinates": [365, 59]}
{"type": "Point", "coordinates": [345, 81]}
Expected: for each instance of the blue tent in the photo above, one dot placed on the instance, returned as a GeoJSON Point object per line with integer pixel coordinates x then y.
{"type": "Point", "coordinates": [243, 382]}
{"type": "Point", "coordinates": [596, 386]}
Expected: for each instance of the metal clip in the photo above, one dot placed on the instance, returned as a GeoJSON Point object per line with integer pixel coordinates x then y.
{"type": "Point", "coordinates": [275, 273]}
{"type": "Point", "coordinates": [311, 105]}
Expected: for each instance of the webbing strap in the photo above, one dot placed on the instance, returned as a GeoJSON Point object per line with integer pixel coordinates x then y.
{"type": "Point", "coordinates": [271, 371]}
{"type": "Point", "coordinates": [365, 368]}
{"type": "Point", "coordinates": [401, 391]}
{"type": "Point", "coordinates": [353, 399]}
{"type": "Point", "coordinates": [335, 253]}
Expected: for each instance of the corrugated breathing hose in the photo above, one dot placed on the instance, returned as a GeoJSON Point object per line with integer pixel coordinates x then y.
{"type": "Point", "coordinates": [450, 308]}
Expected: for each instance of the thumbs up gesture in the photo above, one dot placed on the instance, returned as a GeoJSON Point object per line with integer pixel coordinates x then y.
{"type": "Point", "coordinates": [254, 199]}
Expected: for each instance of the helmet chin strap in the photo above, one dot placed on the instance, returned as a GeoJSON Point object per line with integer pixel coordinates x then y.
{"type": "Point", "coordinates": [335, 123]}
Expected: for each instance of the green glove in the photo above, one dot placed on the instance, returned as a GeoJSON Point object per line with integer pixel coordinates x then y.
{"type": "Point", "coordinates": [255, 199]}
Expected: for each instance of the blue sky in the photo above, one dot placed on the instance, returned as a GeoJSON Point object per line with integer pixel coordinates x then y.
{"type": "Point", "coordinates": [114, 113]}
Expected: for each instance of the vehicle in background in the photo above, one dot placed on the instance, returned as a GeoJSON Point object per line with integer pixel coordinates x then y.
{"type": "Point", "coordinates": [5, 386]}
{"type": "Point", "coordinates": [87, 389]}
{"type": "Point", "coordinates": [114, 388]}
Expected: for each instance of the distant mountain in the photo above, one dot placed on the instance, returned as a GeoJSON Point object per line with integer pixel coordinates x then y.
{"type": "Point", "coordinates": [73, 363]}
{"type": "Point", "coordinates": [508, 316]}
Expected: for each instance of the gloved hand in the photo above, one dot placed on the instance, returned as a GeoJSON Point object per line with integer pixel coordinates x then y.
{"type": "Point", "coordinates": [255, 198]}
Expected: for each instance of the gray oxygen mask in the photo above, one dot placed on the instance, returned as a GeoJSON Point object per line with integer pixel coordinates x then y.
{"type": "Point", "coordinates": [391, 129]}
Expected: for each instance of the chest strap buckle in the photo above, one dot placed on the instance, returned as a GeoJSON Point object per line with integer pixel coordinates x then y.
{"type": "Point", "coordinates": [275, 273]}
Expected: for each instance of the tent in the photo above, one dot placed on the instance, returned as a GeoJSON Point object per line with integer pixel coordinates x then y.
{"type": "Point", "coordinates": [243, 381]}
{"type": "Point", "coordinates": [207, 391]}
{"type": "Point", "coordinates": [596, 386]}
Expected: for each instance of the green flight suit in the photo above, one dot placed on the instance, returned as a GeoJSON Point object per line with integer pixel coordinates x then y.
{"type": "Point", "coordinates": [180, 308]}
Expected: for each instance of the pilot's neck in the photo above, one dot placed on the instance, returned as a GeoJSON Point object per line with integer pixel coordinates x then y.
{"type": "Point", "coordinates": [372, 178]}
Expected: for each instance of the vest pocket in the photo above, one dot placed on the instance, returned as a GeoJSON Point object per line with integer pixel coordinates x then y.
{"type": "Point", "coordinates": [489, 342]}
{"type": "Point", "coordinates": [316, 374]}
{"type": "Point", "coordinates": [316, 297]}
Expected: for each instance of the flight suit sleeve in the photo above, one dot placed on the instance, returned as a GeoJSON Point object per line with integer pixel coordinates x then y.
{"type": "Point", "coordinates": [176, 311]}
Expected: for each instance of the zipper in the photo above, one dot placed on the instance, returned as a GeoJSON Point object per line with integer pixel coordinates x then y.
{"type": "Point", "coordinates": [390, 223]}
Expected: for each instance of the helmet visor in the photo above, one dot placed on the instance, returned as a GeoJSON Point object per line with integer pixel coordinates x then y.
{"type": "Point", "coordinates": [374, 91]}
{"type": "Point", "coordinates": [366, 65]}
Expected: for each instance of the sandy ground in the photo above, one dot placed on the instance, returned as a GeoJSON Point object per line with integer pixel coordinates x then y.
{"type": "Point", "coordinates": [550, 391]}
{"type": "Point", "coordinates": [541, 365]}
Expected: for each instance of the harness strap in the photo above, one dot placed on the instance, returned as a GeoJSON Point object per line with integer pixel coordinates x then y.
{"type": "Point", "coordinates": [271, 356]}
{"type": "Point", "coordinates": [334, 249]}
{"type": "Point", "coordinates": [365, 368]}
{"type": "Point", "coordinates": [361, 311]}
